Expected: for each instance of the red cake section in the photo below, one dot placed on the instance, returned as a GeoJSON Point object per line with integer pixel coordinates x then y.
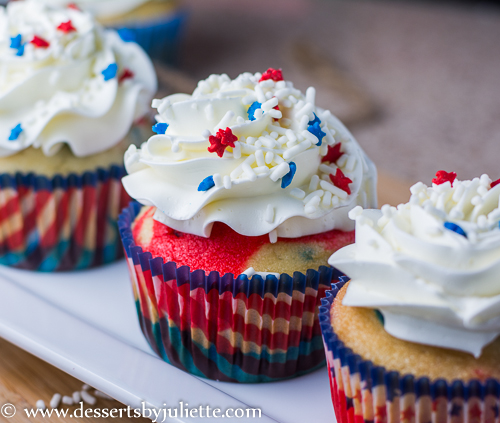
{"type": "Point", "coordinates": [225, 251]}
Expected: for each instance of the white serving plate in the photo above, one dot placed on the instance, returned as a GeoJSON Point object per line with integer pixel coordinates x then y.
{"type": "Point", "coordinates": [85, 324]}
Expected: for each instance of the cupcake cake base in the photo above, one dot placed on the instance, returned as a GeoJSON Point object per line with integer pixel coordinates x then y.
{"type": "Point", "coordinates": [364, 391]}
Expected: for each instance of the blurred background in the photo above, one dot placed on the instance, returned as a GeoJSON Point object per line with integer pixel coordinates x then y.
{"type": "Point", "coordinates": [418, 83]}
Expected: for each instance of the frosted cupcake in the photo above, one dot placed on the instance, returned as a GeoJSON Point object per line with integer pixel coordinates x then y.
{"type": "Point", "coordinates": [415, 332]}
{"type": "Point", "coordinates": [74, 98]}
{"type": "Point", "coordinates": [246, 178]}
{"type": "Point", "coordinates": [155, 24]}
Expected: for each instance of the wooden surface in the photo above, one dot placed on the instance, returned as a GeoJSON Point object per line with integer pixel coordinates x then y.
{"type": "Point", "coordinates": [24, 379]}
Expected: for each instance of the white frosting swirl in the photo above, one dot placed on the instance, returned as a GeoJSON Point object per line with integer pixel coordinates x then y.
{"type": "Point", "coordinates": [248, 195]}
{"type": "Point", "coordinates": [431, 266]}
{"type": "Point", "coordinates": [102, 8]}
{"type": "Point", "coordinates": [63, 84]}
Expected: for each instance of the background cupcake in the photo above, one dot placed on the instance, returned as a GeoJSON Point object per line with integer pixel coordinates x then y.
{"type": "Point", "coordinates": [155, 24]}
{"type": "Point", "coordinates": [416, 331]}
{"type": "Point", "coordinates": [244, 176]}
{"type": "Point", "coordinates": [73, 98]}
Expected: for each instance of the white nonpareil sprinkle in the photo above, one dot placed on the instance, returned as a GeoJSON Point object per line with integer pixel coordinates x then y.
{"type": "Point", "coordinates": [297, 149]}
{"type": "Point", "coordinates": [276, 114]}
{"type": "Point", "coordinates": [355, 212]}
{"type": "Point", "coordinates": [313, 184]}
{"type": "Point", "coordinates": [237, 150]}
{"type": "Point", "coordinates": [76, 397]}
{"type": "Point", "coordinates": [318, 193]}
{"type": "Point", "coordinates": [333, 189]}
{"type": "Point", "coordinates": [279, 171]}
{"type": "Point", "coordinates": [269, 104]}
{"type": "Point", "coordinates": [40, 405]}
{"type": "Point", "coordinates": [156, 103]}
{"type": "Point", "coordinates": [290, 135]}
{"type": "Point", "coordinates": [66, 400]}
{"type": "Point", "coordinates": [249, 171]}
{"type": "Point", "coordinates": [87, 398]}
{"type": "Point", "coordinates": [297, 193]}
{"type": "Point", "coordinates": [249, 99]}
{"type": "Point", "coordinates": [224, 122]}
{"type": "Point", "coordinates": [311, 95]}
{"type": "Point", "coordinates": [55, 401]}
{"type": "Point", "coordinates": [269, 214]}
{"type": "Point", "coordinates": [217, 180]}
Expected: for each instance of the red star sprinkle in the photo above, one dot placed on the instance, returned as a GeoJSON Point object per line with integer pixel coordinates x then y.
{"type": "Point", "coordinates": [73, 6]}
{"type": "Point", "coordinates": [333, 154]}
{"type": "Point", "coordinates": [127, 74]}
{"type": "Point", "coordinates": [66, 27]}
{"type": "Point", "coordinates": [442, 177]}
{"type": "Point", "coordinates": [221, 140]}
{"type": "Point", "coordinates": [495, 183]}
{"type": "Point", "coordinates": [274, 74]}
{"type": "Point", "coordinates": [408, 414]}
{"type": "Point", "coordinates": [39, 42]}
{"type": "Point", "coordinates": [341, 181]}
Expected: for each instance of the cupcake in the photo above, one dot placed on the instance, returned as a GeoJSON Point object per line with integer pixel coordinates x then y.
{"type": "Point", "coordinates": [155, 24]}
{"type": "Point", "coordinates": [74, 98]}
{"type": "Point", "coordinates": [412, 332]}
{"type": "Point", "coordinates": [245, 192]}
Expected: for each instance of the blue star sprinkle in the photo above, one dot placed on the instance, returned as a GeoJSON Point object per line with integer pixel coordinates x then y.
{"type": "Point", "coordinates": [251, 111]}
{"type": "Point", "coordinates": [287, 179]}
{"type": "Point", "coordinates": [20, 50]}
{"type": "Point", "coordinates": [316, 130]}
{"type": "Point", "coordinates": [126, 35]}
{"type": "Point", "coordinates": [455, 228]}
{"type": "Point", "coordinates": [15, 132]}
{"type": "Point", "coordinates": [206, 184]}
{"type": "Point", "coordinates": [316, 119]}
{"type": "Point", "coordinates": [160, 128]}
{"type": "Point", "coordinates": [16, 42]}
{"type": "Point", "coordinates": [110, 72]}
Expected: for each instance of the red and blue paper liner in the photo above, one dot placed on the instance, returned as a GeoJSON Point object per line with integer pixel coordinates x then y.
{"type": "Point", "coordinates": [227, 328]}
{"type": "Point", "coordinates": [363, 392]}
{"type": "Point", "coordinates": [63, 222]}
{"type": "Point", "coordinates": [160, 37]}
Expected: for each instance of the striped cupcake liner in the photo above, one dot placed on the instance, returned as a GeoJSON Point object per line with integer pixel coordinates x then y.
{"type": "Point", "coordinates": [61, 223]}
{"type": "Point", "coordinates": [363, 392]}
{"type": "Point", "coordinates": [227, 328]}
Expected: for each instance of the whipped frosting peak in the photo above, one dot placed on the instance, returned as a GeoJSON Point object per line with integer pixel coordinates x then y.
{"type": "Point", "coordinates": [254, 153]}
{"type": "Point", "coordinates": [432, 265]}
{"type": "Point", "coordinates": [66, 80]}
{"type": "Point", "coordinates": [102, 8]}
